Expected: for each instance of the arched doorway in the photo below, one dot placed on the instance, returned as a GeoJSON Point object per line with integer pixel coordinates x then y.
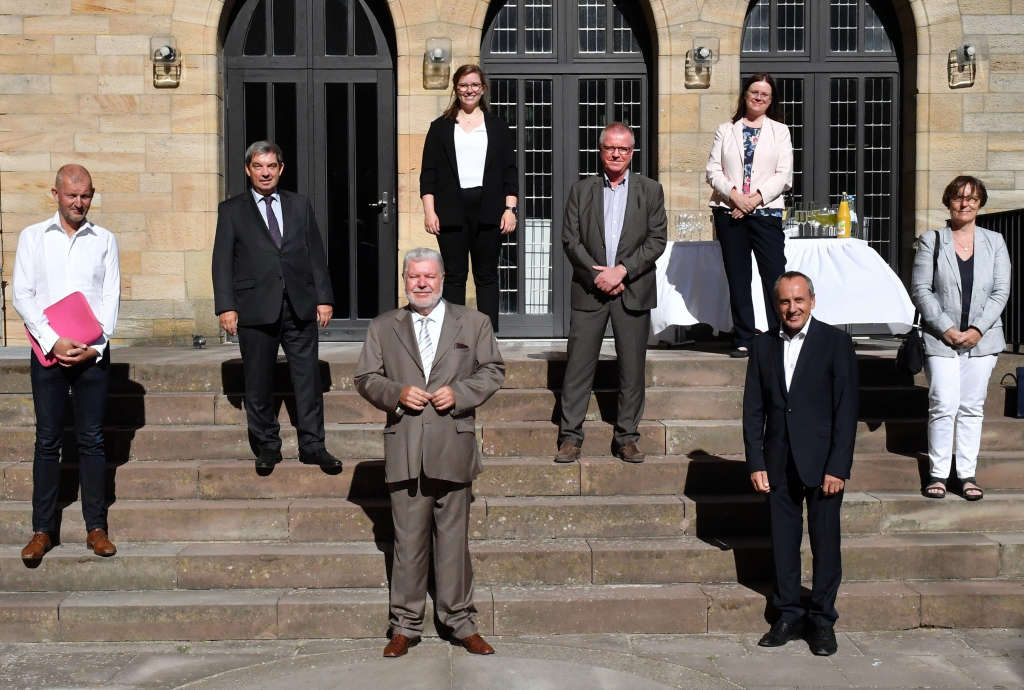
{"type": "Point", "coordinates": [558, 71]}
{"type": "Point", "coordinates": [317, 77]}
{"type": "Point", "coordinates": [838, 65]}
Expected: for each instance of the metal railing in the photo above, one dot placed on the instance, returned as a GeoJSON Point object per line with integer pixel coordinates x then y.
{"type": "Point", "coordinates": [1010, 224]}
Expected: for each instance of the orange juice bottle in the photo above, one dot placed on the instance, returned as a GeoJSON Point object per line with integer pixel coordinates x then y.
{"type": "Point", "coordinates": [843, 217]}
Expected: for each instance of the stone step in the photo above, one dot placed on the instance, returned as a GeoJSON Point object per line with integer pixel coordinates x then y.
{"type": "Point", "coordinates": [717, 437]}
{"type": "Point", "coordinates": [348, 407]}
{"type": "Point", "coordinates": [508, 404]}
{"type": "Point", "coordinates": [139, 370]}
{"type": "Point", "coordinates": [147, 369]}
{"type": "Point", "coordinates": [522, 562]}
{"type": "Point", "coordinates": [338, 519]}
{"type": "Point", "coordinates": [516, 476]}
{"type": "Point", "coordinates": [498, 439]}
{"type": "Point", "coordinates": [362, 613]}
{"type": "Point", "coordinates": [534, 517]}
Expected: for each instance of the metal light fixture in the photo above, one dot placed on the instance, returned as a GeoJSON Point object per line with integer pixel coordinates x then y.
{"type": "Point", "coordinates": [437, 63]}
{"type": "Point", "coordinates": [697, 70]}
{"type": "Point", "coordinates": [963, 66]}
{"type": "Point", "coordinates": [163, 50]}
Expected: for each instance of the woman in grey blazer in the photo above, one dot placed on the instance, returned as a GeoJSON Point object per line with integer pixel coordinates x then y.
{"type": "Point", "coordinates": [960, 284]}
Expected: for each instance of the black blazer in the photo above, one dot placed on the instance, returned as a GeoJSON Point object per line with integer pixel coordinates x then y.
{"type": "Point", "coordinates": [816, 420]}
{"type": "Point", "coordinates": [644, 234]}
{"type": "Point", "coordinates": [250, 273]}
{"type": "Point", "coordinates": [439, 172]}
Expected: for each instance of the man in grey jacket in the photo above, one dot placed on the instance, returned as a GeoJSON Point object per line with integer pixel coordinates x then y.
{"type": "Point", "coordinates": [429, 366]}
{"type": "Point", "coordinates": [613, 231]}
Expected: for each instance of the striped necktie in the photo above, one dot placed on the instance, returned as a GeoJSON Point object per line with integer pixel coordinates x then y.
{"type": "Point", "coordinates": [426, 345]}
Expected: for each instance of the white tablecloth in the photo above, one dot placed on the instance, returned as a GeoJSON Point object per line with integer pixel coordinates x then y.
{"type": "Point", "coordinates": [852, 285]}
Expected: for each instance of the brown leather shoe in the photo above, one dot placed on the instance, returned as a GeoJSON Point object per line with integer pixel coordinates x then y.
{"type": "Point", "coordinates": [475, 644]}
{"type": "Point", "coordinates": [398, 646]}
{"type": "Point", "coordinates": [36, 547]}
{"type": "Point", "coordinates": [567, 452]}
{"type": "Point", "coordinates": [630, 453]}
{"type": "Point", "coordinates": [99, 543]}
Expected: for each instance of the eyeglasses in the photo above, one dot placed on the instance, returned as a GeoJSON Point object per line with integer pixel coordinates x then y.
{"type": "Point", "coordinates": [765, 95]}
{"type": "Point", "coordinates": [961, 199]}
{"type": "Point", "coordinates": [469, 87]}
{"type": "Point", "coordinates": [621, 150]}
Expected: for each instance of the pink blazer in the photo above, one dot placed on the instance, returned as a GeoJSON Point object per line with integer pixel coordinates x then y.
{"type": "Point", "coordinates": [772, 170]}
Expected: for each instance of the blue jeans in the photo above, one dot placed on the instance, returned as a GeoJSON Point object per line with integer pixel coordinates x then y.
{"type": "Point", "coordinates": [87, 383]}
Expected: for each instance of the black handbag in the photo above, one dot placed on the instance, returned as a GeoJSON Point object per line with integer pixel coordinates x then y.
{"type": "Point", "coordinates": [910, 356]}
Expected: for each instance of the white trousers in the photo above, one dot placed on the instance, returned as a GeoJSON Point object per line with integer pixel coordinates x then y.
{"type": "Point", "coordinates": [957, 387]}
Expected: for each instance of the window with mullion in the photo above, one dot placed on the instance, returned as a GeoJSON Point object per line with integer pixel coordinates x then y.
{"type": "Point", "coordinates": [785, 27]}
{"type": "Point", "coordinates": [529, 28]}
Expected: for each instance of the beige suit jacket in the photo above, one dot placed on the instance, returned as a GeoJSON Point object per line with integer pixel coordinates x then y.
{"type": "Point", "coordinates": [440, 445]}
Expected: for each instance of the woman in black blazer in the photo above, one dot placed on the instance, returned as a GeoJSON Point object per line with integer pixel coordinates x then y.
{"type": "Point", "coordinates": [469, 185]}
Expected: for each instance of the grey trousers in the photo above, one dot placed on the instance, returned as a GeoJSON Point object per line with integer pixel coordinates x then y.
{"type": "Point", "coordinates": [431, 516]}
{"type": "Point", "coordinates": [586, 329]}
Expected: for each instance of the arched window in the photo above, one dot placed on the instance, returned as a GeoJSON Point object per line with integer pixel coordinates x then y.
{"type": "Point", "coordinates": [558, 71]}
{"type": "Point", "coordinates": [317, 77]}
{"type": "Point", "coordinates": [837, 64]}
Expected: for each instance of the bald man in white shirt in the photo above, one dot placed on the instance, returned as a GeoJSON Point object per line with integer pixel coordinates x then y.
{"type": "Point", "coordinates": [64, 254]}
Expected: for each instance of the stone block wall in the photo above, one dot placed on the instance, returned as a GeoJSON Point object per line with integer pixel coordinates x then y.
{"type": "Point", "coordinates": [76, 85]}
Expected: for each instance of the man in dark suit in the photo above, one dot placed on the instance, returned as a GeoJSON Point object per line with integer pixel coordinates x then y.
{"type": "Point", "coordinates": [271, 287]}
{"type": "Point", "coordinates": [799, 427]}
{"type": "Point", "coordinates": [429, 366]}
{"type": "Point", "coordinates": [613, 231]}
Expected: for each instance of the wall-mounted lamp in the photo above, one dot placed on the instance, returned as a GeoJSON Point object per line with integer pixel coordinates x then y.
{"type": "Point", "coordinates": [697, 71]}
{"type": "Point", "coordinates": [963, 66]}
{"type": "Point", "coordinates": [437, 63]}
{"type": "Point", "coordinates": [163, 50]}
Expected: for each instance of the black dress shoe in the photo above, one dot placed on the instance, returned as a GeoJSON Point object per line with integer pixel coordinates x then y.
{"type": "Point", "coordinates": [781, 633]}
{"type": "Point", "coordinates": [267, 458]}
{"type": "Point", "coordinates": [822, 641]}
{"type": "Point", "coordinates": [320, 457]}
{"type": "Point", "coordinates": [740, 352]}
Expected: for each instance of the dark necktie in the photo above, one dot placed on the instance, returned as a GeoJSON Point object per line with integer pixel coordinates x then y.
{"type": "Point", "coordinates": [272, 226]}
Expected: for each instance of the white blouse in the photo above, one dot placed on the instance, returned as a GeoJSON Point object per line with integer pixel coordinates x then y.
{"type": "Point", "coordinates": [470, 154]}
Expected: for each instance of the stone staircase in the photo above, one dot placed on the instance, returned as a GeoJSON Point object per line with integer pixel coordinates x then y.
{"type": "Point", "coordinates": [210, 550]}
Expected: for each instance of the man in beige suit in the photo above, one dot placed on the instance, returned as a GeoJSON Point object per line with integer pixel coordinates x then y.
{"type": "Point", "coordinates": [613, 231]}
{"type": "Point", "coordinates": [429, 366]}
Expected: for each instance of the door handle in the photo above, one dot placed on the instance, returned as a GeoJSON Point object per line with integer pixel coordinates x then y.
{"type": "Point", "coordinates": [383, 205]}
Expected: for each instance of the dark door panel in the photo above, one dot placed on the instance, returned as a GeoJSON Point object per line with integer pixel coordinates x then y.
{"type": "Point", "coordinates": [317, 77]}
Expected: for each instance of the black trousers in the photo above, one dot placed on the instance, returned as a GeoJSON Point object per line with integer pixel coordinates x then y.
{"type": "Point", "coordinates": [785, 503]}
{"type": "Point", "coordinates": [738, 236]}
{"type": "Point", "coordinates": [88, 384]}
{"type": "Point", "coordinates": [482, 241]}
{"type": "Point", "coordinates": [586, 331]}
{"type": "Point", "coordinates": [258, 346]}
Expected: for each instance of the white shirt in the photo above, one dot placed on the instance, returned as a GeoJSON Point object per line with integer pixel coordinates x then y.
{"type": "Point", "coordinates": [275, 204]}
{"type": "Point", "coordinates": [436, 317]}
{"type": "Point", "coordinates": [470, 154]}
{"type": "Point", "coordinates": [49, 266]}
{"type": "Point", "coordinates": [791, 346]}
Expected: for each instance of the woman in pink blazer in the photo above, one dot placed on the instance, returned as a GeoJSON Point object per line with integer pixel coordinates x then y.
{"type": "Point", "coordinates": [750, 167]}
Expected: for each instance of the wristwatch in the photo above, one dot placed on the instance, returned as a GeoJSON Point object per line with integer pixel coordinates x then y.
{"type": "Point", "coordinates": [513, 209]}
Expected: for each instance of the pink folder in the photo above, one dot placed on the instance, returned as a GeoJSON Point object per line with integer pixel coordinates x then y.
{"type": "Point", "coordinates": [71, 317]}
